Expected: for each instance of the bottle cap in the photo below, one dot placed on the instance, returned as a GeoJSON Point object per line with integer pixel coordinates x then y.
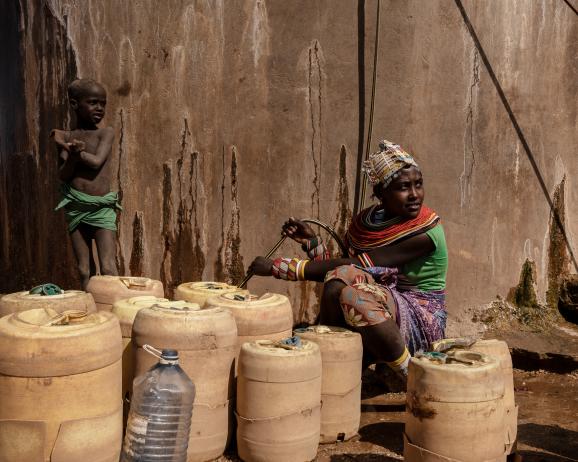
{"type": "Point", "coordinates": [165, 357]}
{"type": "Point", "coordinates": [170, 355]}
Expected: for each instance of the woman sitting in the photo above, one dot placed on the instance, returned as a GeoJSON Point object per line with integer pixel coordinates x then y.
{"type": "Point", "coordinates": [391, 289]}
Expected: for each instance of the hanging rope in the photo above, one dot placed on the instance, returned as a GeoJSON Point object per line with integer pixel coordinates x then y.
{"type": "Point", "coordinates": [361, 100]}
{"type": "Point", "coordinates": [361, 197]}
{"type": "Point", "coordinates": [517, 128]}
{"type": "Point", "coordinates": [571, 7]}
{"type": "Point", "coordinates": [372, 107]}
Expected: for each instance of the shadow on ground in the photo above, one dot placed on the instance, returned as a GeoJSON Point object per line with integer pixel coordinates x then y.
{"type": "Point", "coordinates": [362, 458]}
{"type": "Point", "coordinates": [388, 435]}
{"type": "Point", "coordinates": [554, 439]}
{"type": "Point", "coordinates": [536, 456]}
{"type": "Point", "coordinates": [387, 407]}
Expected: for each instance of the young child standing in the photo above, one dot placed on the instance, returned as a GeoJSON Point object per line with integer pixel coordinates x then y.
{"type": "Point", "coordinates": [85, 170]}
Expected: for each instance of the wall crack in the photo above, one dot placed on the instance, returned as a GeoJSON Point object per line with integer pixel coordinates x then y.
{"type": "Point", "coordinates": [469, 133]}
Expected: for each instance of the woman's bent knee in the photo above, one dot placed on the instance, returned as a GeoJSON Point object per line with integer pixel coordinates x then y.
{"type": "Point", "coordinates": [334, 287]}
{"type": "Point", "coordinates": [348, 274]}
{"type": "Point", "coordinates": [363, 306]}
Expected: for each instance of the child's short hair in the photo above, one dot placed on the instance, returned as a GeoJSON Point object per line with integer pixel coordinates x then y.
{"type": "Point", "coordinates": [80, 87]}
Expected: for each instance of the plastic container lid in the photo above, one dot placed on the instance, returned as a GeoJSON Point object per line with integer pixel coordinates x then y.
{"type": "Point", "coordinates": [170, 355]}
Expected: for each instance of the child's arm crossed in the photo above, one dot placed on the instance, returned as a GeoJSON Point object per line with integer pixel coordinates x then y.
{"type": "Point", "coordinates": [96, 160]}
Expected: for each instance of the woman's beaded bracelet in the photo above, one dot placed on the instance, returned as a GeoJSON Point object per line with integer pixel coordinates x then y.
{"type": "Point", "coordinates": [316, 249]}
{"type": "Point", "coordinates": [289, 269]}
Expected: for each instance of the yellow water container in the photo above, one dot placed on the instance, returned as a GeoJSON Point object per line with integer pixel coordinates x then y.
{"type": "Point", "coordinates": [206, 341]}
{"type": "Point", "coordinates": [60, 387]}
{"type": "Point", "coordinates": [341, 354]}
{"type": "Point", "coordinates": [278, 402]}
{"type": "Point", "coordinates": [268, 317]}
{"type": "Point", "coordinates": [199, 292]}
{"type": "Point", "coordinates": [66, 301]}
{"type": "Point", "coordinates": [499, 350]}
{"type": "Point", "coordinates": [455, 409]}
{"type": "Point", "coordinates": [126, 310]}
{"type": "Point", "coordinates": [107, 290]}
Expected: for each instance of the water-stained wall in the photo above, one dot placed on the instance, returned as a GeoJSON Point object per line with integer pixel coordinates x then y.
{"type": "Point", "coordinates": [231, 116]}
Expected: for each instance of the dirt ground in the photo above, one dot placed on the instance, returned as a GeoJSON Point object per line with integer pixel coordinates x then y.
{"type": "Point", "coordinates": [547, 422]}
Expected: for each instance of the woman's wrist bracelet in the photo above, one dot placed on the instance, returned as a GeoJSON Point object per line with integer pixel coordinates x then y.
{"type": "Point", "coordinates": [289, 269]}
{"type": "Point", "coordinates": [316, 249]}
{"type": "Point", "coordinates": [311, 243]}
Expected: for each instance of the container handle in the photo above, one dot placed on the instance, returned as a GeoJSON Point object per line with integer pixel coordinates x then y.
{"type": "Point", "coordinates": [64, 318]}
{"type": "Point", "coordinates": [131, 282]}
{"type": "Point", "coordinates": [152, 350]}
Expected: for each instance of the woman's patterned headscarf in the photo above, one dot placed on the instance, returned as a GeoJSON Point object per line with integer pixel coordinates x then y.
{"type": "Point", "coordinates": [383, 166]}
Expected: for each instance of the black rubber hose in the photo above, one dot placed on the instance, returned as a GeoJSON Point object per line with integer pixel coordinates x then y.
{"type": "Point", "coordinates": [313, 221]}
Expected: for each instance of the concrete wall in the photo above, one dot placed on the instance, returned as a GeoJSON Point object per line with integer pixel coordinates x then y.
{"type": "Point", "coordinates": [232, 115]}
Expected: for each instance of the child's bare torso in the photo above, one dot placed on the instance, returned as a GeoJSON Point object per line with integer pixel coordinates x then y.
{"type": "Point", "coordinates": [95, 182]}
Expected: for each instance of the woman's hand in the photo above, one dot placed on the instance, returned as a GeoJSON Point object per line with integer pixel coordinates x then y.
{"type": "Point", "coordinates": [261, 266]}
{"type": "Point", "coordinates": [298, 231]}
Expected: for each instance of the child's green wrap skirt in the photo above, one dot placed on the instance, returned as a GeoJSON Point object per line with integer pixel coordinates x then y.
{"type": "Point", "coordinates": [97, 211]}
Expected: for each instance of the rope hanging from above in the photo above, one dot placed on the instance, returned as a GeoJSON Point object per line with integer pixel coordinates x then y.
{"type": "Point", "coordinates": [361, 196]}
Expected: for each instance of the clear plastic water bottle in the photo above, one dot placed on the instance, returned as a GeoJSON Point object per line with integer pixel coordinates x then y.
{"type": "Point", "coordinates": [159, 421]}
